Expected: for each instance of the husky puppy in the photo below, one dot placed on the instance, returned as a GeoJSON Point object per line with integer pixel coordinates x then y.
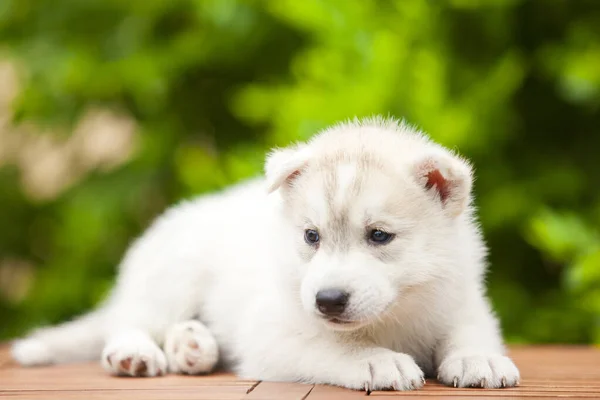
{"type": "Point", "coordinates": [356, 261]}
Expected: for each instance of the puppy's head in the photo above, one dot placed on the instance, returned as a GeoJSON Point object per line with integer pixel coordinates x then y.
{"type": "Point", "coordinates": [374, 208]}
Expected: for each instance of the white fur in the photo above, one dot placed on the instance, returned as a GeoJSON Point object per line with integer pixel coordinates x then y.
{"type": "Point", "coordinates": [239, 261]}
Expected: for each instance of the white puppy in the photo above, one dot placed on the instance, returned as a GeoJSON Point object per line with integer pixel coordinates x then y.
{"type": "Point", "coordinates": [357, 262]}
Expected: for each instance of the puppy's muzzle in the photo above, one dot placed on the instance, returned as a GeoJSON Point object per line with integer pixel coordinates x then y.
{"type": "Point", "coordinates": [332, 302]}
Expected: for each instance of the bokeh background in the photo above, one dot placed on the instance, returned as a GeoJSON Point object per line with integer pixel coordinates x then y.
{"type": "Point", "coordinates": [112, 110]}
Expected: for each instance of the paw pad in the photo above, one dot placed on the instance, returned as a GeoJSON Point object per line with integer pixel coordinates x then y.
{"type": "Point", "coordinates": [191, 348]}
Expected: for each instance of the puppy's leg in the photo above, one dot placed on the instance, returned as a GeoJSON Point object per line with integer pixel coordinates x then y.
{"type": "Point", "coordinates": [472, 354]}
{"type": "Point", "coordinates": [139, 319]}
{"type": "Point", "coordinates": [325, 359]}
{"type": "Point", "coordinates": [191, 348]}
{"type": "Point", "coordinates": [138, 325]}
{"type": "Point", "coordinates": [78, 340]}
{"type": "Point", "coordinates": [149, 298]}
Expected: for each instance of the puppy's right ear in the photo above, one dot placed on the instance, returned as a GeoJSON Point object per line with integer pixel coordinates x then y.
{"type": "Point", "coordinates": [449, 178]}
{"type": "Point", "coordinates": [284, 165]}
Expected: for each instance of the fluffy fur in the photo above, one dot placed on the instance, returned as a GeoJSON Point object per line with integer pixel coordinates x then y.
{"type": "Point", "coordinates": [238, 260]}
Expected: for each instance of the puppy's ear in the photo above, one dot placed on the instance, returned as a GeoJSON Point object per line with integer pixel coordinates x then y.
{"type": "Point", "coordinates": [284, 165]}
{"type": "Point", "coordinates": [448, 179]}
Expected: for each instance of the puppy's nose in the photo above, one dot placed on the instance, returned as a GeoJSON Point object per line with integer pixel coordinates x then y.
{"type": "Point", "coordinates": [332, 302]}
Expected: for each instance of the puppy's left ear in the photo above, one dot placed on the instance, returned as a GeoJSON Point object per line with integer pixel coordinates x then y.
{"type": "Point", "coordinates": [448, 179]}
{"type": "Point", "coordinates": [284, 165]}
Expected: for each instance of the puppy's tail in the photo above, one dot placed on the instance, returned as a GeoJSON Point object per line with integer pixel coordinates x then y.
{"type": "Point", "coordinates": [79, 340]}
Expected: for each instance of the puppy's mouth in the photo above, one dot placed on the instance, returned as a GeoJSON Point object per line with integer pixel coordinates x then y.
{"type": "Point", "coordinates": [341, 324]}
{"type": "Point", "coordinates": [339, 321]}
{"type": "Point", "coordinates": [344, 324]}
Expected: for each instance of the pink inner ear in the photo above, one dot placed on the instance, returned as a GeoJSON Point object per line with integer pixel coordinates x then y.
{"type": "Point", "coordinates": [435, 178]}
{"type": "Point", "coordinates": [292, 176]}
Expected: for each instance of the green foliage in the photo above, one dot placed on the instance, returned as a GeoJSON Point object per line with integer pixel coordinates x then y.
{"type": "Point", "coordinates": [212, 84]}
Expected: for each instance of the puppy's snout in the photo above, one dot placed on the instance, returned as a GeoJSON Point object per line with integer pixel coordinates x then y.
{"type": "Point", "coordinates": [332, 302]}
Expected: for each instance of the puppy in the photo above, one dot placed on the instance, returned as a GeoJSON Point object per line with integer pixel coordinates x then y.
{"type": "Point", "coordinates": [357, 262]}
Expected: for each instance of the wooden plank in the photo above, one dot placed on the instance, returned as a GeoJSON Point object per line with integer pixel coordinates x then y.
{"type": "Point", "coordinates": [279, 391]}
{"type": "Point", "coordinates": [201, 393]}
{"type": "Point", "coordinates": [92, 377]}
{"type": "Point", "coordinates": [5, 358]}
{"type": "Point", "coordinates": [485, 396]}
{"type": "Point", "coordinates": [324, 392]}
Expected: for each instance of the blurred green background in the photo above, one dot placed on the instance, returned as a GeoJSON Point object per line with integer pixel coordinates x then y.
{"type": "Point", "coordinates": [112, 110]}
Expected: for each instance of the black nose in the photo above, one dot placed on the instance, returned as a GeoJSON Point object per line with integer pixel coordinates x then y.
{"type": "Point", "coordinates": [332, 302]}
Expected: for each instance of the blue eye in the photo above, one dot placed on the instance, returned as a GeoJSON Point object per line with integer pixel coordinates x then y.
{"type": "Point", "coordinates": [311, 236]}
{"type": "Point", "coordinates": [377, 236]}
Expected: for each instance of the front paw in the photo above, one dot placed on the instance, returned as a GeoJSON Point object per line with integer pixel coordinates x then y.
{"type": "Point", "coordinates": [486, 371]}
{"type": "Point", "coordinates": [383, 369]}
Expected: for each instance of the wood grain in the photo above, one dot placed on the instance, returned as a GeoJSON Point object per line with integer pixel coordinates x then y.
{"type": "Point", "coordinates": [571, 372]}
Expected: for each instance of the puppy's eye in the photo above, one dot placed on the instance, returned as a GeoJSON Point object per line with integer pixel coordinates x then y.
{"type": "Point", "coordinates": [311, 236]}
{"type": "Point", "coordinates": [377, 236]}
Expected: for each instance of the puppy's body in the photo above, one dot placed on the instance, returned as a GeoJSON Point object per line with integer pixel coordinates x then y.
{"type": "Point", "coordinates": [241, 260]}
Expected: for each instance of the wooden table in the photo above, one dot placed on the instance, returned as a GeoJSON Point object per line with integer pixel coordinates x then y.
{"type": "Point", "coordinates": [547, 372]}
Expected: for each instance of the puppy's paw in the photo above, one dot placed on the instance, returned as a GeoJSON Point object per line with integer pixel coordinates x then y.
{"type": "Point", "coordinates": [384, 369]}
{"type": "Point", "coordinates": [485, 371]}
{"type": "Point", "coordinates": [132, 356]}
{"type": "Point", "coordinates": [191, 348]}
